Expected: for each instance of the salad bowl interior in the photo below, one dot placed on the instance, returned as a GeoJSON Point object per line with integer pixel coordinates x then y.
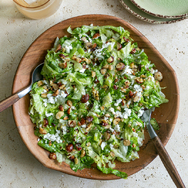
{"type": "Point", "coordinates": [166, 115]}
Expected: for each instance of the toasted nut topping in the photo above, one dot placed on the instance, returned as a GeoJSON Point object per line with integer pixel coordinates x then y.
{"type": "Point", "coordinates": [107, 115]}
{"type": "Point", "coordinates": [131, 94]}
{"type": "Point", "coordinates": [139, 80]}
{"type": "Point", "coordinates": [93, 74]}
{"type": "Point", "coordinates": [71, 123]}
{"type": "Point", "coordinates": [126, 142]}
{"type": "Point", "coordinates": [158, 76]}
{"type": "Point", "coordinates": [88, 61]}
{"type": "Point", "coordinates": [61, 108]}
{"type": "Point", "coordinates": [116, 121]}
{"type": "Point", "coordinates": [119, 46]}
{"type": "Point", "coordinates": [133, 51]}
{"type": "Point", "coordinates": [84, 39]}
{"type": "Point", "coordinates": [63, 65]}
{"type": "Point", "coordinates": [55, 86]}
{"type": "Point", "coordinates": [120, 66]}
{"type": "Point", "coordinates": [95, 94]}
{"type": "Point", "coordinates": [44, 95]}
{"type": "Point", "coordinates": [82, 121]}
{"type": "Point", "coordinates": [132, 65]}
{"type": "Point", "coordinates": [105, 66]}
{"type": "Point", "coordinates": [103, 71]}
{"type": "Point", "coordinates": [69, 111]}
{"type": "Point", "coordinates": [59, 114]}
{"type": "Point", "coordinates": [69, 103]}
{"type": "Point", "coordinates": [77, 59]}
{"type": "Point", "coordinates": [134, 145]}
{"type": "Point", "coordinates": [88, 144]}
{"type": "Point", "coordinates": [136, 99]}
{"type": "Point", "coordinates": [107, 136]}
{"type": "Point", "coordinates": [58, 48]}
{"type": "Point", "coordinates": [88, 45]}
{"type": "Point", "coordinates": [123, 90]}
{"type": "Point", "coordinates": [123, 102]}
{"type": "Point", "coordinates": [40, 83]}
{"type": "Point", "coordinates": [52, 156]}
{"type": "Point", "coordinates": [89, 127]}
{"type": "Point", "coordinates": [119, 108]}
{"type": "Point", "coordinates": [66, 117]}
{"type": "Point", "coordinates": [55, 93]}
{"type": "Point", "coordinates": [82, 153]}
{"type": "Point", "coordinates": [62, 86]}
{"type": "Point", "coordinates": [75, 160]}
{"type": "Point", "coordinates": [110, 59]}
{"type": "Point", "coordinates": [107, 126]}
{"type": "Point", "coordinates": [96, 35]}
{"type": "Point", "coordinates": [102, 107]}
{"type": "Point", "coordinates": [112, 154]}
{"type": "Point", "coordinates": [42, 131]}
{"type": "Point", "coordinates": [110, 67]}
{"type": "Point", "coordinates": [127, 83]}
{"type": "Point", "coordinates": [45, 87]}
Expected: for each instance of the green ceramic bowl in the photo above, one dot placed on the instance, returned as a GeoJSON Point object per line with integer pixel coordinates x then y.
{"type": "Point", "coordinates": [130, 7]}
{"type": "Point", "coordinates": [163, 8]}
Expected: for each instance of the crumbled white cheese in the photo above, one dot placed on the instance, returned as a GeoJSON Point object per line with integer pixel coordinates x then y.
{"type": "Point", "coordinates": [50, 98]}
{"type": "Point", "coordinates": [117, 102]}
{"type": "Point", "coordinates": [53, 137]}
{"type": "Point", "coordinates": [151, 78]}
{"type": "Point", "coordinates": [127, 70]}
{"type": "Point", "coordinates": [117, 128]}
{"type": "Point", "coordinates": [63, 94]}
{"type": "Point", "coordinates": [111, 146]}
{"type": "Point", "coordinates": [125, 114]}
{"type": "Point", "coordinates": [137, 88]}
{"type": "Point", "coordinates": [112, 110]}
{"type": "Point", "coordinates": [82, 70]}
{"type": "Point", "coordinates": [48, 114]}
{"type": "Point", "coordinates": [83, 126]}
{"type": "Point", "coordinates": [103, 144]}
{"type": "Point", "coordinates": [140, 112]}
{"type": "Point", "coordinates": [67, 45]}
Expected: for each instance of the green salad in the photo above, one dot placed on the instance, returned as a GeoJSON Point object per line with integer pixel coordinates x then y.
{"type": "Point", "coordinates": [88, 108]}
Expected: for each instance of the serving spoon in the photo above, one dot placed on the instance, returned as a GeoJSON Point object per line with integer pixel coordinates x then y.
{"type": "Point", "coordinates": [165, 158]}
{"type": "Point", "coordinates": [36, 76]}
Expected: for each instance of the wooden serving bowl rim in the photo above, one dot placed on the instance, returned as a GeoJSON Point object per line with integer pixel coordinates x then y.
{"type": "Point", "coordinates": [166, 115]}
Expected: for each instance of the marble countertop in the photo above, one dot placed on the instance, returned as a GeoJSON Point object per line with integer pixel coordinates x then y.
{"type": "Point", "coordinates": [18, 167]}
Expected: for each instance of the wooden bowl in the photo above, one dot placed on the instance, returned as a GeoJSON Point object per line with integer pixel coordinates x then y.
{"type": "Point", "coordinates": [166, 114]}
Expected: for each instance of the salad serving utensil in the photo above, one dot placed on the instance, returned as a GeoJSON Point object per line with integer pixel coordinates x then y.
{"type": "Point", "coordinates": [36, 76]}
{"type": "Point", "coordinates": [165, 158]}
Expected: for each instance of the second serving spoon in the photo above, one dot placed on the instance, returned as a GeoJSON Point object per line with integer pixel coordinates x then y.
{"type": "Point", "coordinates": [165, 158]}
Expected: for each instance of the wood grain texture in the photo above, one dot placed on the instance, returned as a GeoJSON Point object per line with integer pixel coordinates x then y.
{"type": "Point", "coordinates": [168, 162]}
{"type": "Point", "coordinates": [35, 55]}
{"type": "Point", "coordinates": [8, 102]}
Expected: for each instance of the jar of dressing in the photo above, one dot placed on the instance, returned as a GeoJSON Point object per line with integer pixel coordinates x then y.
{"type": "Point", "coordinates": [37, 9]}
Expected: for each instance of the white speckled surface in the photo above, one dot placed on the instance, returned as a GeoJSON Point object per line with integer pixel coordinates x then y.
{"type": "Point", "coordinates": [18, 168]}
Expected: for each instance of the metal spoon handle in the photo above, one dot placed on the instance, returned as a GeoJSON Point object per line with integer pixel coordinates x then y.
{"type": "Point", "coordinates": [14, 98]}
{"type": "Point", "coordinates": [165, 158]}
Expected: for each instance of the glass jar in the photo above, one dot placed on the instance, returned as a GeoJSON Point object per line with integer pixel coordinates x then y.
{"type": "Point", "coordinates": [39, 9]}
